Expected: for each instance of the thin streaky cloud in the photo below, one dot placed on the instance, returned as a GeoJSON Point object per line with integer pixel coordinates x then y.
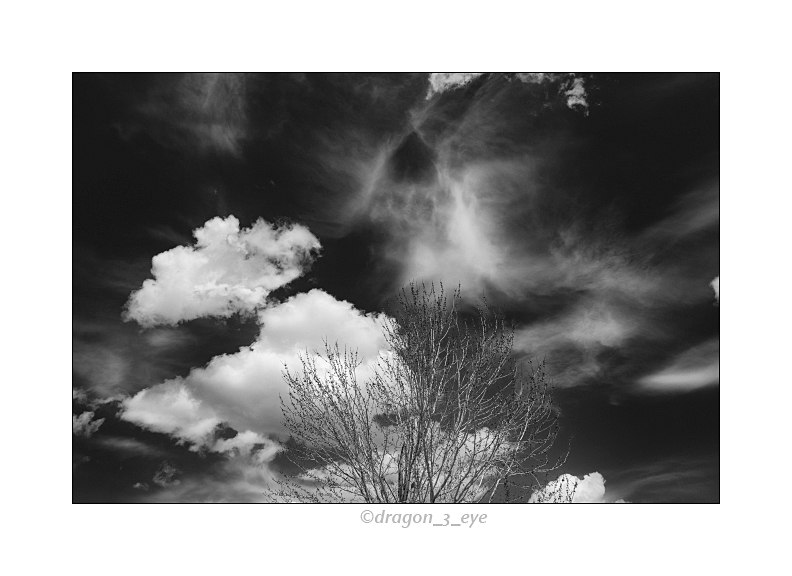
{"type": "Point", "coordinates": [695, 368]}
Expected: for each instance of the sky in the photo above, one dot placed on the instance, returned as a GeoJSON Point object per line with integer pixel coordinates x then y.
{"type": "Point", "coordinates": [223, 224]}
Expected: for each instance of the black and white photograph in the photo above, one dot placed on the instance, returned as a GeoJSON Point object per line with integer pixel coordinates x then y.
{"type": "Point", "coordinates": [386, 288]}
{"type": "Point", "coordinates": [357, 287]}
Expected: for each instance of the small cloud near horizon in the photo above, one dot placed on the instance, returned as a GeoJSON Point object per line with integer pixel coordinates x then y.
{"type": "Point", "coordinates": [568, 488]}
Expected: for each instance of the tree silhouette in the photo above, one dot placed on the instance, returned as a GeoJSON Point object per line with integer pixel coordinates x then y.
{"type": "Point", "coordinates": [446, 414]}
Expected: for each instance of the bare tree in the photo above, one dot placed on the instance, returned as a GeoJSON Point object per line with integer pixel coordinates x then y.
{"type": "Point", "coordinates": [446, 415]}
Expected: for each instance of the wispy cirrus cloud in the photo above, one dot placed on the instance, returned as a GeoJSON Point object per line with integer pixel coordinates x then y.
{"type": "Point", "coordinates": [572, 343]}
{"type": "Point", "coordinates": [457, 194]}
{"type": "Point", "coordinates": [694, 368]}
{"type": "Point", "coordinates": [461, 197]}
{"type": "Point", "coordinates": [447, 230]}
{"type": "Point", "coordinates": [127, 447]}
{"type": "Point", "coordinates": [104, 368]}
{"type": "Point", "coordinates": [239, 477]}
{"type": "Point", "coordinates": [166, 475]}
{"type": "Point", "coordinates": [695, 212]}
{"type": "Point", "coordinates": [197, 112]}
{"type": "Point", "coordinates": [686, 479]}
{"type": "Point", "coordinates": [85, 424]}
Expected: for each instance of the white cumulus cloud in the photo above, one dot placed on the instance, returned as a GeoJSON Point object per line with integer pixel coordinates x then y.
{"type": "Point", "coordinates": [716, 287]}
{"type": "Point", "coordinates": [570, 86]}
{"type": "Point", "coordinates": [568, 488]}
{"type": "Point", "coordinates": [441, 81]}
{"type": "Point", "coordinates": [171, 408]}
{"type": "Point", "coordinates": [244, 389]}
{"type": "Point", "coordinates": [228, 270]}
{"type": "Point", "coordinates": [576, 95]}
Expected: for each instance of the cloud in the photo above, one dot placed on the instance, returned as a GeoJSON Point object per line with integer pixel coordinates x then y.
{"type": "Point", "coordinates": [688, 479]}
{"type": "Point", "coordinates": [79, 395]}
{"type": "Point", "coordinates": [165, 476]}
{"type": "Point", "coordinates": [568, 488]}
{"type": "Point", "coordinates": [459, 195]}
{"type": "Point", "coordinates": [104, 368]}
{"type": "Point", "coordinates": [591, 489]}
{"type": "Point", "coordinates": [111, 359]}
{"type": "Point", "coordinates": [576, 96]}
{"type": "Point", "coordinates": [227, 271]}
{"type": "Point", "coordinates": [570, 86]}
{"type": "Point", "coordinates": [439, 82]}
{"type": "Point", "coordinates": [486, 222]}
{"type": "Point", "coordinates": [129, 447]}
{"type": "Point", "coordinates": [78, 459]}
{"type": "Point", "coordinates": [141, 486]}
{"type": "Point", "coordinates": [479, 226]}
{"type": "Point", "coordinates": [463, 197]}
{"type": "Point", "coordinates": [572, 342]}
{"type": "Point", "coordinates": [455, 240]}
{"type": "Point", "coordinates": [85, 425]}
{"type": "Point", "coordinates": [244, 389]}
{"type": "Point", "coordinates": [197, 112]}
{"type": "Point", "coordinates": [167, 338]}
{"type": "Point", "coordinates": [716, 287]}
{"type": "Point", "coordinates": [591, 323]}
{"type": "Point", "coordinates": [695, 368]}
{"type": "Point", "coordinates": [489, 226]}
{"type": "Point", "coordinates": [536, 77]}
{"type": "Point", "coordinates": [171, 408]}
{"type": "Point", "coordinates": [237, 478]}
{"type": "Point", "coordinates": [470, 451]}
{"type": "Point", "coordinates": [695, 212]}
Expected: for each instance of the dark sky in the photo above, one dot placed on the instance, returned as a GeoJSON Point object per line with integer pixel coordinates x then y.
{"type": "Point", "coordinates": [280, 209]}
